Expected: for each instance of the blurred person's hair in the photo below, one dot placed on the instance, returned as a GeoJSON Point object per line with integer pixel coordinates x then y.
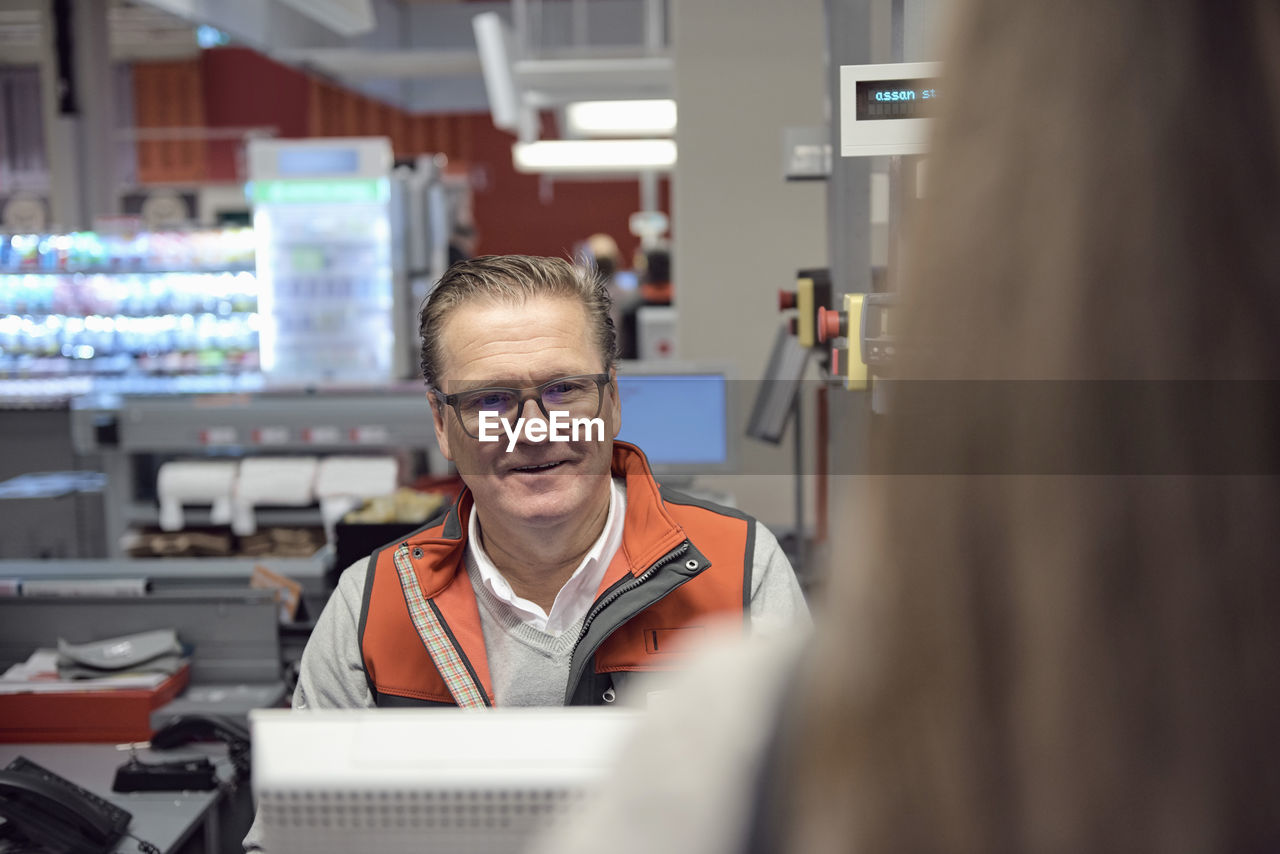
{"type": "Point", "coordinates": [1023, 657]}
{"type": "Point", "coordinates": [513, 279]}
{"type": "Point", "coordinates": [603, 255]}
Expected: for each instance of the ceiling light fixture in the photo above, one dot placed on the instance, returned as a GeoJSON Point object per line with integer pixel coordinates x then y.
{"type": "Point", "coordinates": [621, 118]}
{"type": "Point", "coordinates": [594, 156]}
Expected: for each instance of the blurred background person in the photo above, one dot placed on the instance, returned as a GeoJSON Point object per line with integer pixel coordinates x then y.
{"type": "Point", "coordinates": [1060, 633]}
{"type": "Point", "coordinates": [653, 272]}
{"type": "Point", "coordinates": [600, 252]}
{"type": "Point", "coordinates": [655, 284]}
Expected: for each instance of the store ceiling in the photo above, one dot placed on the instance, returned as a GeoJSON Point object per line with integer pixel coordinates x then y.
{"type": "Point", "coordinates": [419, 55]}
{"type": "Point", "coordinates": [139, 32]}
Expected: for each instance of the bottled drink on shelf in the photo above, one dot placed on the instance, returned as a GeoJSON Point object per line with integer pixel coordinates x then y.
{"type": "Point", "coordinates": [95, 304]}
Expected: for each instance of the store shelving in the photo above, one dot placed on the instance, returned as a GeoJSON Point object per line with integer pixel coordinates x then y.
{"type": "Point", "coordinates": [147, 304]}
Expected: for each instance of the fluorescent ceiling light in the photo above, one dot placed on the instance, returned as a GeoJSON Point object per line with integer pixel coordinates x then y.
{"type": "Point", "coordinates": [587, 156]}
{"type": "Point", "coordinates": [621, 118]}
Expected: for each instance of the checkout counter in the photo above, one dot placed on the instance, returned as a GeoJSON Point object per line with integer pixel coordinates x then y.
{"type": "Point", "coordinates": [236, 666]}
{"type": "Point", "coordinates": [127, 439]}
{"type": "Point", "coordinates": [244, 651]}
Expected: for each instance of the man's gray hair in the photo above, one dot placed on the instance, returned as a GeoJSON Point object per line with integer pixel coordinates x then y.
{"type": "Point", "coordinates": [513, 279]}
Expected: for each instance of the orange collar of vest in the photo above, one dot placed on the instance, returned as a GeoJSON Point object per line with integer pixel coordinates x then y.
{"type": "Point", "coordinates": [648, 532]}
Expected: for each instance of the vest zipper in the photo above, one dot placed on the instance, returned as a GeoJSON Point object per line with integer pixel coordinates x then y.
{"type": "Point", "coordinates": [640, 579]}
{"type": "Point", "coordinates": [612, 597]}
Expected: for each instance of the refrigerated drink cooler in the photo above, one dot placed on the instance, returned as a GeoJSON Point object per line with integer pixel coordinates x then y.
{"type": "Point", "coordinates": [330, 280]}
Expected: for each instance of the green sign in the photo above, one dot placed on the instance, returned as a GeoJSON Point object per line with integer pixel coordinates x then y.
{"type": "Point", "coordinates": [322, 191]}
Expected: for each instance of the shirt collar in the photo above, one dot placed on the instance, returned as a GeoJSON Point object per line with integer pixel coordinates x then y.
{"type": "Point", "coordinates": [578, 593]}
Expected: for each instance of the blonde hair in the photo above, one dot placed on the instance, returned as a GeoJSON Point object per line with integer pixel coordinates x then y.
{"type": "Point", "coordinates": [1024, 659]}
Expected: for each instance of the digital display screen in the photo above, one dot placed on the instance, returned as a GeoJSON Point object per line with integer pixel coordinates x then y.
{"type": "Point", "coordinates": [300, 162]}
{"type": "Point", "coordinates": [877, 321]}
{"type": "Point", "coordinates": [895, 99]}
{"type": "Point", "coordinates": [647, 404]}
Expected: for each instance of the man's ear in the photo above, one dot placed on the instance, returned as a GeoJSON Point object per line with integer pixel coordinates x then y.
{"type": "Point", "coordinates": [440, 412]}
{"type": "Point", "coordinates": [614, 402]}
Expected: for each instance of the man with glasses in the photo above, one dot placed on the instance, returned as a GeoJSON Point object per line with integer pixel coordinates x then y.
{"type": "Point", "coordinates": [563, 567]}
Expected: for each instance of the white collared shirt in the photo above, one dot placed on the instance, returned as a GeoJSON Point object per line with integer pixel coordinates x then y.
{"type": "Point", "coordinates": [575, 597]}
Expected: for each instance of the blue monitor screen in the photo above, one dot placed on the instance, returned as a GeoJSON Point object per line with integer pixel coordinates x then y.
{"type": "Point", "coordinates": [676, 419]}
{"type": "Point", "coordinates": [318, 161]}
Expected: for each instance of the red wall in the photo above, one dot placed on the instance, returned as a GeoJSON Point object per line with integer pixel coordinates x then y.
{"type": "Point", "coordinates": [237, 88]}
{"type": "Point", "coordinates": [242, 89]}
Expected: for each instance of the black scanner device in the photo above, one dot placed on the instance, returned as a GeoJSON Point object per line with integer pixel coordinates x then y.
{"type": "Point", "coordinates": [192, 775]}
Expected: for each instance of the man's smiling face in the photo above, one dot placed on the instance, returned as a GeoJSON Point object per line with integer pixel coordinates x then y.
{"type": "Point", "coordinates": [520, 345]}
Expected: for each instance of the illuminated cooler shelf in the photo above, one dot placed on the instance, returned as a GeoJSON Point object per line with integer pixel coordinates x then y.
{"type": "Point", "coordinates": [123, 271]}
{"type": "Point", "coordinates": [162, 251]}
{"type": "Point", "coordinates": [331, 284]}
{"type": "Point", "coordinates": [166, 304]}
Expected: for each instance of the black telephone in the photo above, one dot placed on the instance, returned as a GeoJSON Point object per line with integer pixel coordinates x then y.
{"type": "Point", "coordinates": [55, 814]}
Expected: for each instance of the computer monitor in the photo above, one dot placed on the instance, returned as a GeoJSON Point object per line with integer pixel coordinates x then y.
{"type": "Point", "coordinates": [426, 780]}
{"type": "Point", "coordinates": [679, 414]}
{"type": "Point", "coordinates": [626, 280]}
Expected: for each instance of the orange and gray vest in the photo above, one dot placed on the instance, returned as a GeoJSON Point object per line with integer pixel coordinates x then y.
{"type": "Point", "coordinates": [681, 563]}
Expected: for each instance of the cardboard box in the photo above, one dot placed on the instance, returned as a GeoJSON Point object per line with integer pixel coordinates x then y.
{"type": "Point", "coordinates": [80, 716]}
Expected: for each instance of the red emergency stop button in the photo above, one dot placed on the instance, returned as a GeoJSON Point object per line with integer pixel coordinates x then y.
{"type": "Point", "coordinates": [831, 323]}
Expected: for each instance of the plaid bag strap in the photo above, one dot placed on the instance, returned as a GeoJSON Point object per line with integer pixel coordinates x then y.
{"type": "Point", "coordinates": [443, 654]}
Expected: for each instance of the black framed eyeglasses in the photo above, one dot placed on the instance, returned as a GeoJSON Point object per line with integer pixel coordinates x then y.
{"type": "Point", "coordinates": [579, 396]}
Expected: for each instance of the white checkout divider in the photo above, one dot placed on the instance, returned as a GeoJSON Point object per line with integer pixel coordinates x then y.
{"type": "Point", "coordinates": [233, 489]}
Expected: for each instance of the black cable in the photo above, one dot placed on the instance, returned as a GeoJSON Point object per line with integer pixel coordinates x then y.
{"type": "Point", "coordinates": [144, 846]}
{"type": "Point", "coordinates": [239, 752]}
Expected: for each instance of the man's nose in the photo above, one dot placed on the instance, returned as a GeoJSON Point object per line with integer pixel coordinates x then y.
{"type": "Point", "coordinates": [531, 412]}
